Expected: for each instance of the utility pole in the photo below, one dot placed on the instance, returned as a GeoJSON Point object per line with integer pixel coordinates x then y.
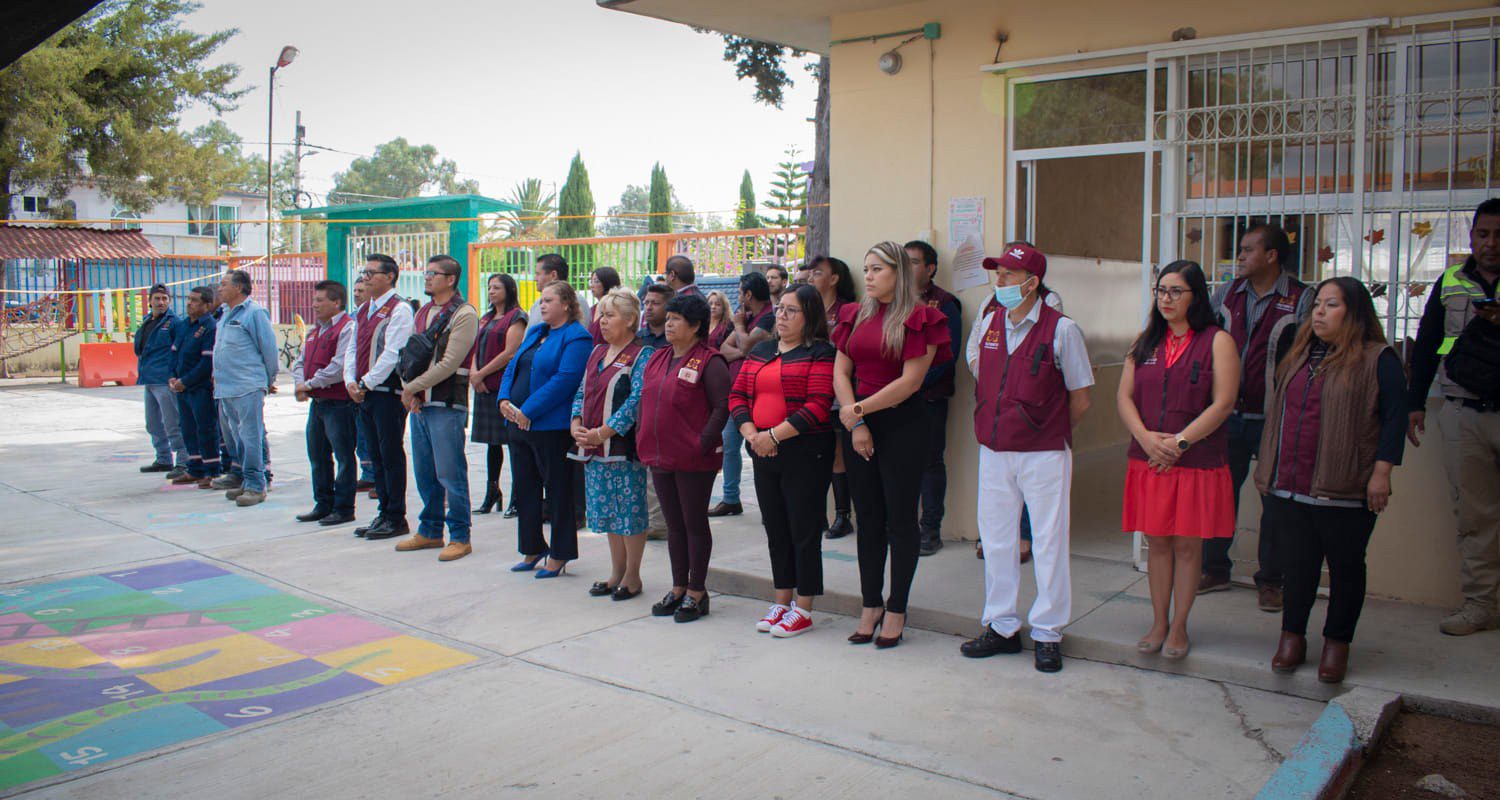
{"type": "Point", "coordinates": [297, 184]}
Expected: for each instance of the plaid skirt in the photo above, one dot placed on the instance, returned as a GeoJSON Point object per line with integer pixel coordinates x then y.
{"type": "Point", "coordinates": [489, 427]}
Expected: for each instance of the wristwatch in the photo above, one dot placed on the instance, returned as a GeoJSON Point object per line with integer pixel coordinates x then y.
{"type": "Point", "coordinates": [858, 409]}
{"type": "Point", "coordinates": [1183, 443]}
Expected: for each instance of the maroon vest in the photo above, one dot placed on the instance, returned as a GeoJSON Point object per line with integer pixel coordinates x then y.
{"type": "Point", "coordinates": [935, 298]}
{"type": "Point", "coordinates": [604, 391]}
{"type": "Point", "coordinates": [364, 338]}
{"type": "Point", "coordinates": [318, 350]}
{"type": "Point", "coordinates": [1021, 402]}
{"type": "Point", "coordinates": [674, 410]}
{"type": "Point", "coordinates": [1256, 357]}
{"type": "Point", "coordinates": [490, 343]}
{"type": "Point", "coordinates": [1170, 398]}
{"type": "Point", "coordinates": [1301, 427]}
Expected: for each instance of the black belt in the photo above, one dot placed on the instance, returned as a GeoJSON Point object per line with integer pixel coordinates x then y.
{"type": "Point", "coordinates": [1478, 405]}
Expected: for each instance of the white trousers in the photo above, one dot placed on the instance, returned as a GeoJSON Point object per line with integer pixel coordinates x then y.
{"type": "Point", "coordinates": [1042, 483]}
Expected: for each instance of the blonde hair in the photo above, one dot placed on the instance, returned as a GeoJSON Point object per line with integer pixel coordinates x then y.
{"type": "Point", "coordinates": [568, 296]}
{"type": "Point", "coordinates": [893, 329]}
{"type": "Point", "coordinates": [728, 311]}
{"type": "Point", "coordinates": [622, 302]}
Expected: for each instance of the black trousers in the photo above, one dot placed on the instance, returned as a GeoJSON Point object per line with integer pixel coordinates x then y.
{"type": "Point", "coordinates": [385, 421]}
{"type": "Point", "coordinates": [885, 500]}
{"type": "Point", "coordinates": [539, 463]}
{"type": "Point", "coordinates": [331, 437]}
{"type": "Point", "coordinates": [935, 475]}
{"type": "Point", "coordinates": [1244, 446]}
{"type": "Point", "coordinates": [791, 487]}
{"type": "Point", "coordinates": [684, 507]}
{"type": "Point", "coordinates": [1311, 535]}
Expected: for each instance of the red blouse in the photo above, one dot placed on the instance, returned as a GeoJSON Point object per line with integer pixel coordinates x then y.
{"type": "Point", "coordinates": [874, 368]}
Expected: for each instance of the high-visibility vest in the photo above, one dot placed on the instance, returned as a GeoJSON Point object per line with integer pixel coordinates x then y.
{"type": "Point", "coordinates": [1458, 292]}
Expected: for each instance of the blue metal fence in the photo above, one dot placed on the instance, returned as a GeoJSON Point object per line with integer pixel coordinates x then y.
{"type": "Point", "coordinates": [179, 273]}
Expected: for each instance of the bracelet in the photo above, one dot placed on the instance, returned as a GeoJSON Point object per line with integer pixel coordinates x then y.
{"type": "Point", "coordinates": [774, 440]}
{"type": "Point", "coordinates": [858, 423]}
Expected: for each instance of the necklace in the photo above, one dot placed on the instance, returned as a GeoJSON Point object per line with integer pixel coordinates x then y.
{"type": "Point", "coordinates": [1177, 345]}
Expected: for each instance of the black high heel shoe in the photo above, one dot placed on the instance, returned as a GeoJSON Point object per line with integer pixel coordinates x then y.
{"type": "Point", "coordinates": [887, 642]}
{"type": "Point", "coordinates": [866, 638]}
{"type": "Point", "coordinates": [491, 499]}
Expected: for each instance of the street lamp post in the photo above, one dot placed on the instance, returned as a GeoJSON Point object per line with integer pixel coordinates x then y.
{"type": "Point", "coordinates": [288, 55]}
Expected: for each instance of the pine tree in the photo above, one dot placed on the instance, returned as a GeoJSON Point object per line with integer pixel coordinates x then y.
{"type": "Point", "coordinates": [747, 218]}
{"type": "Point", "coordinates": [576, 201]}
{"type": "Point", "coordinates": [660, 220]}
{"type": "Point", "coordinates": [789, 192]}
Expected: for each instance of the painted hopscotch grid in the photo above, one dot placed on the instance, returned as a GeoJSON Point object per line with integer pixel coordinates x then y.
{"type": "Point", "coordinates": [102, 667]}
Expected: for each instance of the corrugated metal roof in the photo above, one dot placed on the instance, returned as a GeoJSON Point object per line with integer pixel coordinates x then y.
{"type": "Point", "coordinates": [25, 241]}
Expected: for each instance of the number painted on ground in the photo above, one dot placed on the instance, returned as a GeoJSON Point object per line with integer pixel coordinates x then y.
{"type": "Point", "coordinates": [47, 612]}
{"type": "Point", "coordinates": [383, 672]}
{"type": "Point", "coordinates": [127, 651]}
{"type": "Point", "coordinates": [249, 711]}
{"type": "Point", "coordinates": [84, 755]}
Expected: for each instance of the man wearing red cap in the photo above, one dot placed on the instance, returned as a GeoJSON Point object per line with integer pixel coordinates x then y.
{"type": "Point", "coordinates": [1032, 379]}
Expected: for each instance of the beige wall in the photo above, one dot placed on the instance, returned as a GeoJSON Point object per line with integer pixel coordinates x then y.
{"type": "Point", "coordinates": [895, 164]}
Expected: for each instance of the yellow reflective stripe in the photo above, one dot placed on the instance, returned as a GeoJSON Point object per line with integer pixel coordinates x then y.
{"type": "Point", "coordinates": [1448, 342]}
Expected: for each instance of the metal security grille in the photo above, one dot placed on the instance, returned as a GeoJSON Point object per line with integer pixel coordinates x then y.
{"type": "Point", "coordinates": [1371, 147]}
{"type": "Point", "coordinates": [411, 251]}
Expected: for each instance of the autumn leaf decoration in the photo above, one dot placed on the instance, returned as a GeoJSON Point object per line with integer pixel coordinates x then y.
{"type": "Point", "coordinates": [1376, 236]}
{"type": "Point", "coordinates": [1422, 229]}
{"type": "Point", "coordinates": [1325, 254]}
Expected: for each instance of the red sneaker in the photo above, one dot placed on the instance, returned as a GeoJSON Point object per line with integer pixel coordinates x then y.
{"type": "Point", "coordinates": [791, 624]}
{"type": "Point", "coordinates": [772, 617]}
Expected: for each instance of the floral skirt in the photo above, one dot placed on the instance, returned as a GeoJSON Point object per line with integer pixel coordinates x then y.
{"type": "Point", "coordinates": [615, 493]}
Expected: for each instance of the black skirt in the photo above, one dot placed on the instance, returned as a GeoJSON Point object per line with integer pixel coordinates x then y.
{"type": "Point", "coordinates": [489, 427]}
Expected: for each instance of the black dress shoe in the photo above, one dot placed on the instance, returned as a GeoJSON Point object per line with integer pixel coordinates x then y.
{"type": "Point", "coordinates": [726, 510]}
{"type": "Point", "coordinates": [157, 466]}
{"type": "Point", "coordinates": [690, 610]}
{"type": "Point", "coordinates": [510, 511]}
{"type": "Point", "coordinates": [314, 515]}
{"type": "Point", "coordinates": [991, 643]}
{"type": "Point", "coordinates": [930, 543]}
{"type": "Point", "coordinates": [622, 592]}
{"type": "Point", "coordinates": [841, 526]}
{"type": "Point", "coordinates": [600, 589]}
{"type": "Point", "coordinates": [360, 532]}
{"type": "Point", "coordinates": [667, 606]}
{"type": "Point", "coordinates": [491, 499]}
{"type": "Point", "coordinates": [1048, 657]}
{"type": "Point", "coordinates": [386, 529]}
{"type": "Point", "coordinates": [337, 518]}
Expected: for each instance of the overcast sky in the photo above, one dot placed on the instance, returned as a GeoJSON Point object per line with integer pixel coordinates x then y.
{"type": "Point", "coordinates": [509, 90]}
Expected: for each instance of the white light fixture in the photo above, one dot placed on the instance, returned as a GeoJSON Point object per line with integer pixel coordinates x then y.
{"type": "Point", "coordinates": [890, 62]}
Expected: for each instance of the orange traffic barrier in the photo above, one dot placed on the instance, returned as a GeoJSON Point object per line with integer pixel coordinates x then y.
{"type": "Point", "coordinates": [100, 363]}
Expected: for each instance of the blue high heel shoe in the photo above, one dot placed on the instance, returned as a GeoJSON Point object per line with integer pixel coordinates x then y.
{"type": "Point", "coordinates": [550, 573]}
{"type": "Point", "coordinates": [526, 566]}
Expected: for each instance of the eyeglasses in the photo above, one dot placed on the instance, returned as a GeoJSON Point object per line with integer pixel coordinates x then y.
{"type": "Point", "coordinates": [1175, 293]}
{"type": "Point", "coordinates": [787, 311]}
{"type": "Point", "coordinates": [432, 273]}
{"type": "Point", "coordinates": [370, 273]}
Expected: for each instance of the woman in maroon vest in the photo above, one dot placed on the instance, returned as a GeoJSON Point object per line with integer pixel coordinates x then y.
{"type": "Point", "coordinates": [602, 281]}
{"type": "Point", "coordinates": [718, 319]}
{"type": "Point", "coordinates": [830, 276]}
{"type": "Point", "coordinates": [604, 420]}
{"type": "Point", "coordinates": [500, 332]}
{"type": "Point", "coordinates": [1334, 426]}
{"type": "Point", "coordinates": [886, 343]}
{"type": "Point", "coordinates": [680, 437]}
{"type": "Point", "coordinates": [1180, 383]}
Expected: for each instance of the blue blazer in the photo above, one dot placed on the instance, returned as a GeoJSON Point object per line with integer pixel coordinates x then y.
{"type": "Point", "coordinates": [556, 370]}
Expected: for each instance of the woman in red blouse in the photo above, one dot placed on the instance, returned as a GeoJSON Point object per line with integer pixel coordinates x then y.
{"type": "Point", "coordinates": [885, 345]}
{"type": "Point", "coordinates": [781, 402]}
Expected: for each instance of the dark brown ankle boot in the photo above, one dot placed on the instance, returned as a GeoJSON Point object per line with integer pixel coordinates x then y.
{"type": "Point", "coordinates": [1335, 661]}
{"type": "Point", "coordinates": [1291, 651]}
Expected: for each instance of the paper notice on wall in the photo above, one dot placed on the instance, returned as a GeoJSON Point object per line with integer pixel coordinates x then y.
{"type": "Point", "coordinates": [968, 264]}
{"type": "Point", "coordinates": [965, 219]}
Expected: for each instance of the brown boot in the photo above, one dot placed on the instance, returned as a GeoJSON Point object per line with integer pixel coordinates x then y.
{"type": "Point", "coordinates": [418, 542]}
{"type": "Point", "coordinates": [1291, 651]}
{"type": "Point", "coordinates": [1335, 661]}
{"type": "Point", "coordinates": [454, 551]}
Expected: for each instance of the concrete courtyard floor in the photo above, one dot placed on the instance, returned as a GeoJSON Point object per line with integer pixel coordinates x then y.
{"type": "Point", "coordinates": [582, 697]}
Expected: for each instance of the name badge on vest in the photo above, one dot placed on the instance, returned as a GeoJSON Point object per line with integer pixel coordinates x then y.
{"type": "Point", "coordinates": [992, 340]}
{"type": "Point", "coordinates": [689, 371]}
{"type": "Point", "coordinates": [1285, 304]}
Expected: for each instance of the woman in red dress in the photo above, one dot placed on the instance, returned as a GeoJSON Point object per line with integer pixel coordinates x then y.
{"type": "Point", "coordinates": [1179, 386]}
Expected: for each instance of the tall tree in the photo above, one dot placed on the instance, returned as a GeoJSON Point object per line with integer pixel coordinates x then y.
{"type": "Point", "coordinates": [399, 169]}
{"type": "Point", "coordinates": [575, 205]}
{"type": "Point", "coordinates": [629, 215]}
{"type": "Point", "coordinates": [660, 208]}
{"type": "Point", "coordinates": [102, 99]}
{"type": "Point", "coordinates": [746, 218]}
{"type": "Point", "coordinates": [789, 192]}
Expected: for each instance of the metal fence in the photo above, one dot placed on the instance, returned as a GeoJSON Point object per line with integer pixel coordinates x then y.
{"type": "Point", "coordinates": [285, 286]}
{"type": "Point", "coordinates": [411, 251]}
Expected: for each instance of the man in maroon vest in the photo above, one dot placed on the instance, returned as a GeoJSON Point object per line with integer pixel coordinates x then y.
{"type": "Point", "coordinates": [1032, 379]}
{"type": "Point", "coordinates": [381, 327]}
{"type": "Point", "coordinates": [1263, 301]}
{"type": "Point", "coordinates": [937, 388]}
{"type": "Point", "coordinates": [319, 373]}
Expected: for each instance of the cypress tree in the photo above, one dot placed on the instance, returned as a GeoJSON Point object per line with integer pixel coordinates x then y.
{"type": "Point", "coordinates": [576, 200]}
{"type": "Point", "coordinates": [660, 220]}
{"type": "Point", "coordinates": [747, 218]}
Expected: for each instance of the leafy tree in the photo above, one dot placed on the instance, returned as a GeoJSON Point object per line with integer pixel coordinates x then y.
{"type": "Point", "coordinates": [102, 99]}
{"type": "Point", "coordinates": [660, 207]}
{"type": "Point", "coordinates": [537, 218]}
{"type": "Point", "coordinates": [399, 169]}
{"type": "Point", "coordinates": [575, 205]}
{"type": "Point", "coordinates": [746, 217]}
{"type": "Point", "coordinates": [628, 216]}
{"type": "Point", "coordinates": [789, 191]}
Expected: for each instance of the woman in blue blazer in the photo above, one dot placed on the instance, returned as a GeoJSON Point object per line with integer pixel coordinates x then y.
{"type": "Point", "coordinates": [536, 396]}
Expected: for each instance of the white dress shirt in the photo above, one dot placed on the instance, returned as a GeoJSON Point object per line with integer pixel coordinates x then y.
{"type": "Point", "coordinates": [1072, 355]}
{"type": "Point", "coordinates": [397, 330]}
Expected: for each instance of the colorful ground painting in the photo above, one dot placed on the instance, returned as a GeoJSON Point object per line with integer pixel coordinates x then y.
{"type": "Point", "coordinates": [107, 666]}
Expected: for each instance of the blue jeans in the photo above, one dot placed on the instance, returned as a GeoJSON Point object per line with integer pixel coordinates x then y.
{"type": "Point", "coordinates": [230, 456]}
{"type": "Point", "coordinates": [362, 449]}
{"type": "Point", "coordinates": [200, 430]}
{"type": "Point", "coordinates": [442, 472]}
{"type": "Point", "coordinates": [246, 429]}
{"type": "Point", "coordinates": [162, 424]}
{"type": "Point", "coordinates": [330, 437]}
{"type": "Point", "coordinates": [734, 462]}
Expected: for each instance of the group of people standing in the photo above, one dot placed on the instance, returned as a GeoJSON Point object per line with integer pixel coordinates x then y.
{"type": "Point", "coordinates": [623, 412]}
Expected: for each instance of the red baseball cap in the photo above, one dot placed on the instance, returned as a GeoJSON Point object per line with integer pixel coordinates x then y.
{"type": "Point", "coordinates": [1019, 256]}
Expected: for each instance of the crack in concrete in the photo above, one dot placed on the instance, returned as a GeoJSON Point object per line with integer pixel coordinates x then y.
{"type": "Point", "coordinates": [1257, 735]}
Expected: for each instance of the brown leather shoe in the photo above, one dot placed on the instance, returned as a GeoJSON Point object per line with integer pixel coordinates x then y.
{"type": "Point", "coordinates": [1270, 598]}
{"type": "Point", "coordinates": [418, 542]}
{"type": "Point", "coordinates": [1335, 661]}
{"type": "Point", "coordinates": [1291, 651]}
{"type": "Point", "coordinates": [1213, 583]}
{"type": "Point", "coordinates": [454, 551]}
